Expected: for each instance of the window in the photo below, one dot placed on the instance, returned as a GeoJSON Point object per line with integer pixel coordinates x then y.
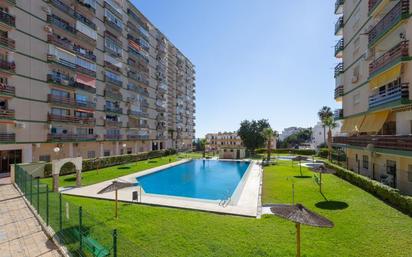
{"type": "Point", "coordinates": [356, 47]}
{"type": "Point", "coordinates": [355, 77]}
{"type": "Point", "coordinates": [365, 162]}
{"type": "Point", "coordinates": [83, 28]}
{"type": "Point", "coordinates": [113, 19]}
{"type": "Point", "coordinates": [391, 167]}
{"type": "Point", "coordinates": [129, 150]}
{"type": "Point", "coordinates": [60, 112]}
{"type": "Point", "coordinates": [106, 153]}
{"type": "Point", "coordinates": [44, 158]}
{"type": "Point", "coordinates": [356, 99]}
{"type": "Point", "coordinates": [91, 154]}
{"type": "Point", "coordinates": [112, 45]}
{"type": "Point", "coordinates": [60, 93]}
{"type": "Point", "coordinates": [85, 64]}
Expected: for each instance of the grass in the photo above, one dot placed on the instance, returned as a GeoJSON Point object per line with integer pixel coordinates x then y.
{"type": "Point", "coordinates": [94, 176]}
{"type": "Point", "coordinates": [364, 225]}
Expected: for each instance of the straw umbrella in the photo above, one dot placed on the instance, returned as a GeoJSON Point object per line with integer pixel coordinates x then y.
{"type": "Point", "coordinates": [300, 215]}
{"type": "Point", "coordinates": [115, 186]}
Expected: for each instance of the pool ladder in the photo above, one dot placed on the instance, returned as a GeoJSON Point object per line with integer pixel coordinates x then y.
{"type": "Point", "coordinates": [225, 202]}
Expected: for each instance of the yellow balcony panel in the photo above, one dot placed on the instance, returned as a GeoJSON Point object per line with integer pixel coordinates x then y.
{"type": "Point", "coordinates": [353, 124]}
{"type": "Point", "coordinates": [386, 77]}
{"type": "Point", "coordinates": [373, 122]}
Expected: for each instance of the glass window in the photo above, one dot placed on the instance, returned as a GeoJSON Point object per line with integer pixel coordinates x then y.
{"type": "Point", "coordinates": [44, 158]}
{"type": "Point", "coordinates": [83, 28]}
{"type": "Point", "coordinates": [112, 45]}
{"type": "Point", "coordinates": [60, 112]}
{"type": "Point", "coordinates": [60, 93]}
{"type": "Point", "coordinates": [85, 64]}
{"type": "Point", "coordinates": [106, 153]}
{"type": "Point", "coordinates": [91, 154]}
{"type": "Point", "coordinates": [365, 162]}
{"type": "Point", "coordinates": [113, 18]}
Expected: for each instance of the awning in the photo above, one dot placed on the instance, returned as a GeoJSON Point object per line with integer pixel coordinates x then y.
{"type": "Point", "coordinates": [386, 77]}
{"type": "Point", "coordinates": [86, 80]}
{"type": "Point", "coordinates": [134, 45]}
{"type": "Point", "coordinates": [373, 122]}
{"type": "Point", "coordinates": [353, 124]}
{"type": "Point", "coordinates": [86, 111]}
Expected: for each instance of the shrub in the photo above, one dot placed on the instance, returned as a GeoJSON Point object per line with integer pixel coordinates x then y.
{"type": "Point", "coordinates": [287, 151]}
{"type": "Point", "coordinates": [337, 155]}
{"type": "Point", "coordinates": [383, 192]}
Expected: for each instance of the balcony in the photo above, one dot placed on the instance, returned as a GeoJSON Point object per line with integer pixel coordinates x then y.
{"type": "Point", "coordinates": [138, 137]}
{"type": "Point", "coordinates": [373, 4]}
{"type": "Point", "coordinates": [70, 138]}
{"type": "Point", "coordinates": [87, 6]}
{"type": "Point", "coordinates": [113, 137]}
{"type": "Point", "coordinates": [7, 137]}
{"type": "Point", "coordinates": [339, 6]}
{"type": "Point", "coordinates": [61, 24]}
{"type": "Point", "coordinates": [71, 119]}
{"type": "Point", "coordinates": [67, 101]}
{"type": "Point", "coordinates": [85, 87]}
{"type": "Point", "coordinates": [113, 95]}
{"type": "Point", "coordinates": [339, 48]}
{"type": "Point", "coordinates": [85, 71]}
{"type": "Point", "coordinates": [338, 114]}
{"type": "Point", "coordinates": [6, 90]}
{"type": "Point", "coordinates": [7, 21]}
{"type": "Point", "coordinates": [7, 43]}
{"type": "Point", "coordinates": [111, 66]}
{"type": "Point", "coordinates": [113, 25]}
{"type": "Point", "coordinates": [339, 26]}
{"type": "Point", "coordinates": [401, 143]}
{"type": "Point", "coordinates": [64, 8]}
{"type": "Point", "coordinates": [68, 45]}
{"type": "Point", "coordinates": [117, 110]}
{"type": "Point", "coordinates": [339, 69]}
{"type": "Point", "coordinates": [398, 93]}
{"type": "Point", "coordinates": [113, 123]}
{"type": "Point", "coordinates": [113, 81]}
{"type": "Point", "coordinates": [7, 114]}
{"type": "Point", "coordinates": [339, 92]}
{"type": "Point", "coordinates": [392, 18]}
{"type": "Point", "coordinates": [132, 125]}
{"type": "Point", "coordinates": [388, 59]}
{"type": "Point", "coordinates": [7, 66]}
{"type": "Point", "coordinates": [138, 113]}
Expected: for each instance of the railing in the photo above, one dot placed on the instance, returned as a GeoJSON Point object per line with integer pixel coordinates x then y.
{"type": "Point", "coordinates": [113, 25]}
{"type": "Point", "coordinates": [118, 83]}
{"type": "Point", "coordinates": [339, 26]}
{"type": "Point", "coordinates": [63, 7]}
{"type": "Point", "coordinates": [338, 6]}
{"type": "Point", "coordinates": [339, 69]}
{"type": "Point", "coordinates": [85, 71]}
{"type": "Point", "coordinates": [137, 125]}
{"type": "Point", "coordinates": [389, 58]}
{"type": "Point", "coordinates": [391, 95]}
{"type": "Point", "coordinates": [68, 45]}
{"type": "Point", "coordinates": [339, 91]}
{"type": "Point", "coordinates": [339, 47]}
{"type": "Point", "coordinates": [137, 113]}
{"type": "Point", "coordinates": [137, 137]}
{"type": "Point", "coordinates": [70, 137]}
{"type": "Point", "coordinates": [338, 114]}
{"type": "Point", "coordinates": [393, 142]}
{"type": "Point", "coordinates": [372, 4]}
{"type": "Point", "coordinates": [70, 102]}
{"type": "Point", "coordinates": [113, 123]}
{"type": "Point", "coordinates": [60, 79]}
{"type": "Point", "coordinates": [86, 5]}
{"type": "Point", "coordinates": [113, 109]}
{"type": "Point", "coordinates": [113, 94]}
{"type": "Point", "coordinates": [113, 137]}
{"type": "Point", "coordinates": [84, 87]}
{"type": "Point", "coordinates": [6, 114]}
{"type": "Point", "coordinates": [7, 42]}
{"type": "Point", "coordinates": [68, 64]}
{"type": "Point", "coordinates": [395, 15]}
{"type": "Point", "coordinates": [7, 90]}
{"type": "Point", "coordinates": [7, 137]}
{"type": "Point", "coordinates": [53, 19]}
{"type": "Point", "coordinates": [111, 66]}
{"type": "Point", "coordinates": [71, 119]}
{"type": "Point", "coordinates": [7, 19]}
{"type": "Point", "coordinates": [7, 65]}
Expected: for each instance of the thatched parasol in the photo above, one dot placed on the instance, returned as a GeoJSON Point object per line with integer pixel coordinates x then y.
{"type": "Point", "coordinates": [300, 215]}
{"type": "Point", "coordinates": [115, 186]}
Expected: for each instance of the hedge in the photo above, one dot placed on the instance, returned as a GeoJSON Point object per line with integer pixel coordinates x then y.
{"type": "Point", "coordinates": [104, 162]}
{"type": "Point", "coordinates": [383, 192]}
{"type": "Point", "coordinates": [287, 151]}
{"type": "Point", "coordinates": [337, 155]}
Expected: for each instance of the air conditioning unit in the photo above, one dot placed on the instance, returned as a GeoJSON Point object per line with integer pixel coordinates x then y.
{"type": "Point", "coordinates": [20, 125]}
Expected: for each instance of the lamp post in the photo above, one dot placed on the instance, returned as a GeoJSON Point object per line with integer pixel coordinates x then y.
{"type": "Point", "coordinates": [56, 150]}
{"type": "Point", "coordinates": [124, 148]}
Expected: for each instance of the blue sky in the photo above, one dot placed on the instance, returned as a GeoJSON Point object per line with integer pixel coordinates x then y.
{"type": "Point", "coordinates": [254, 59]}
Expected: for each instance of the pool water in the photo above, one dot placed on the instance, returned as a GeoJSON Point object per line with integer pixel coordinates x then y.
{"type": "Point", "coordinates": [203, 179]}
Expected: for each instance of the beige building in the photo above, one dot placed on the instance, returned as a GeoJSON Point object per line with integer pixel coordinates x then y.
{"type": "Point", "coordinates": [216, 141]}
{"type": "Point", "coordinates": [94, 77]}
{"type": "Point", "coordinates": [373, 83]}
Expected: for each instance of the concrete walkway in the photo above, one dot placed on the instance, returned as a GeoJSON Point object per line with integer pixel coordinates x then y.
{"type": "Point", "coordinates": [20, 233]}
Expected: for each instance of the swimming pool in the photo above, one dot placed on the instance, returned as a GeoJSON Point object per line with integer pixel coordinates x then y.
{"type": "Point", "coordinates": [202, 179]}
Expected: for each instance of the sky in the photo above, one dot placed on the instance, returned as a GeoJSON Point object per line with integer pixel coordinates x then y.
{"type": "Point", "coordinates": [261, 59]}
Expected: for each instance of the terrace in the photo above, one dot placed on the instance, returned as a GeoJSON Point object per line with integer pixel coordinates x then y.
{"type": "Point", "coordinates": [390, 58]}
{"type": "Point", "coordinates": [71, 119]}
{"type": "Point", "coordinates": [67, 101]}
{"type": "Point", "coordinates": [390, 95]}
{"type": "Point", "coordinates": [7, 137]}
{"type": "Point", "coordinates": [339, 92]}
{"type": "Point", "coordinates": [339, 69]}
{"type": "Point", "coordinates": [392, 142]}
{"type": "Point", "coordinates": [70, 138]}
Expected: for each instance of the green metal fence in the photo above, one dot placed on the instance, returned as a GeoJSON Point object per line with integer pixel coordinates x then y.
{"type": "Point", "coordinates": [74, 228]}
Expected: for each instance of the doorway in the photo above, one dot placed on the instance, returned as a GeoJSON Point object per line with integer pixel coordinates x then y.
{"type": "Point", "coordinates": [6, 159]}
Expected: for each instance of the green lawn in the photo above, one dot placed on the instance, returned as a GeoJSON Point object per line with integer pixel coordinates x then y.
{"type": "Point", "coordinates": [94, 176]}
{"type": "Point", "coordinates": [364, 227]}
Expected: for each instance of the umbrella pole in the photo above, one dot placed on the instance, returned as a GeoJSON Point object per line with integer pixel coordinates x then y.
{"type": "Point", "coordinates": [116, 211]}
{"type": "Point", "coordinates": [297, 239]}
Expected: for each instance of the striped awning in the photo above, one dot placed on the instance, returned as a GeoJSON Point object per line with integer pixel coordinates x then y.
{"type": "Point", "coordinates": [373, 122]}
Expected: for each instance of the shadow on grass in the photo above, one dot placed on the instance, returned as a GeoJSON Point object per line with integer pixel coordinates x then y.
{"type": "Point", "coordinates": [302, 176]}
{"type": "Point", "coordinates": [124, 168]}
{"type": "Point", "coordinates": [332, 205]}
{"type": "Point", "coordinates": [152, 162]}
{"type": "Point", "coordinates": [70, 179]}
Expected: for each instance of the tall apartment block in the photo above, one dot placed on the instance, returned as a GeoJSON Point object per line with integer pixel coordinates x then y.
{"type": "Point", "coordinates": [93, 77]}
{"type": "Point", "coordinates": [374, 83]}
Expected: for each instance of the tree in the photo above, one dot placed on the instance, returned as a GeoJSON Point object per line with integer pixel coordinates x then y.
{"type": "Point", "coordinates": [269, 135]}
{"type": "Point", "coordinates": [251, 134]}
{"type": "Point", "coordinates": [324, 113]}
{"type": "Point", "coordinates": [331, 124]}
{"type": "Point", "coordinates": [202, 144]}
{"type": "Point", "coordinates": [294, 140]}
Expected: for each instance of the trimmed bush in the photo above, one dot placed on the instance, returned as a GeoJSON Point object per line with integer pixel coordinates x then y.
{"type": "Point", "coordinates": [287, 151]}
{"type": "Point", "coordinates": [336, 154]}
{"type": "Point", "coordinates": [383, 192]}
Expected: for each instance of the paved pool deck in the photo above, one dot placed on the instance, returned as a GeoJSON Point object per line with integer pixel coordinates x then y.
{"type": "Point", "coordinates": [245, 204]}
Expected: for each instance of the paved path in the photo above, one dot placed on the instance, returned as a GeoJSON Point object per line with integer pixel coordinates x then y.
{"type": "Point", "coordinates": [20, 233]}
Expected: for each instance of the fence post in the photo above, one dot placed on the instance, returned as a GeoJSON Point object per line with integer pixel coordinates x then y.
{"type": "Point", "coordinates": [60, 213]}
{"type": "Point", "coordinates": [25, 184]}
{"type": "Point", "coordinates": [31, 189]}
{"type": "Point", "coordinates": [47, 204]}
{"type": "Point", "coordinates": [38, 195]}
{"type": "Point", "coordinates": [114, 242]}
{"type": "Point", "coordinates": [80, 228]}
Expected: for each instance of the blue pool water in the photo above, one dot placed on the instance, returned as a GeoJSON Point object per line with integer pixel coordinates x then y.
{"type": "Point", "coordinates": [209, 179]}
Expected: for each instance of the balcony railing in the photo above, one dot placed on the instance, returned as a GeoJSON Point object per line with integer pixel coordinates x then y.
{"type": "Point", "coordinates": [339, 91]}
{"type": "Point", "coordinates": [339, 6]}
{"type": "Point", "coordinates": [87, 6]}
{"type": "Point", "coordinates": [68, 45]}
{"type": "Point", "coordinates": [113, 109]}
{"type": "Point", "coordinates": [339, 26]}
{"type": "Point", "coordinates": [339, 69]}
{"type": "Point", "coordinates": [338, 114]}
{"type": "Point", "coordinates": [7, 42]}
{"type": "Point", "coordinates": [113, 81]}
{"type": "Point", "coordinates": [391, 19]}
{"type": "Point", "coordinates": [7, 19]}
{"type": "Point", "coordinates": [8, 66]}
{"type": "Point", "coordinates": [113, 94]}
{"type": "Point", "coordinates": [403, 143]}
{"type": "Point", "coordinates": [138, 113]}
{"type": "Point", "coordinates": [6, 114]}
{"type": "Point", "coordinates": [372, 4]}
{"type": "Point", "coordinates": [70, 137]}
{"type": "Point", "coordinates": [113, 137]}
{"type": "Point", "coordinates": [137, 137]}
{"type": "Point", "coordinates": [339, 48]}
{"type": "Point", "coordinates": [393, 94]}
{"type": "Point", "coordinates": [389, 58]}
{"type": "Point", "coordinates": [113, 123]}
{"type": "Point", "coordinates": [71, 102]}
{"type": "Point", "coordinates": [84, 87]}
{"type": "Point", "coordinates": [113, 25]}
{"type": "Point", "coordinates": [54, 20]}
{"type": "Point", "coordinates": [85, 71]}
{"type": "Point", "coordinates": [7, 90]}
{"type": "Point", "coordinates": [71, 119]}
{"type": "Point", "coordinates": [7, 137]}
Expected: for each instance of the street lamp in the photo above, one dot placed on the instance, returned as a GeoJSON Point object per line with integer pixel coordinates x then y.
{"type": "Point", "coordinates": [124, 147]}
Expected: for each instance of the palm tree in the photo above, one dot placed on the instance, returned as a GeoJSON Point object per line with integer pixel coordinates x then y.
{"type": "Point", "coordinates": [202, 144]}
{"type": "Point", "coordinates": [331, 124]}
{"type": "Point", "coordinates": [323, 114]}
{"type": "Point", "coordinates": [269, 134]}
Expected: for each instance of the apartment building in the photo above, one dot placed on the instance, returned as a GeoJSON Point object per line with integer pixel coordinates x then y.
{"type": "Point", "coordinates": [93, 77]}
{"type": "Point", "coordinates": [215, 141]}
{"type": "Point", "coordinates": [373, 83]}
